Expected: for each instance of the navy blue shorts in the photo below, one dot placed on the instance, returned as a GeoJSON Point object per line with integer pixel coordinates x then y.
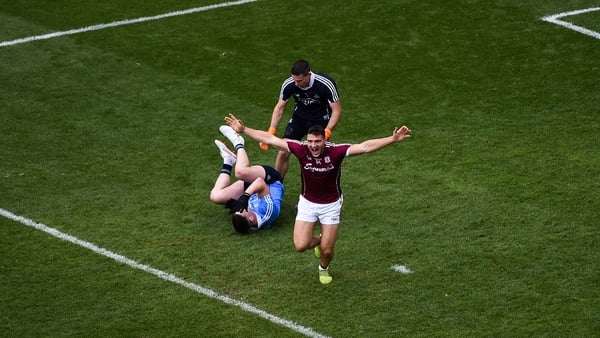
{"type": "Point", "coordinates": [297, 128]}
{"type": "Point", "coordinates": [271, 176]}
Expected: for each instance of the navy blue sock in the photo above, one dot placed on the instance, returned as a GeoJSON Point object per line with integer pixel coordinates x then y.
{"type": "Point", "coordinates": [226, 169]}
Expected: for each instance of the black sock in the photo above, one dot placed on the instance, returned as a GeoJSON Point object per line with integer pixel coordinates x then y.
{"type": "Point", "coordinates": [226, 169]}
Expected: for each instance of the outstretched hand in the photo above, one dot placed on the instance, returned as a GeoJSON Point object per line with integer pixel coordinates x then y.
{"type": "Point", "coordinates": [401, 133]}
{"type": "Point", "coordinates": [234, 123]}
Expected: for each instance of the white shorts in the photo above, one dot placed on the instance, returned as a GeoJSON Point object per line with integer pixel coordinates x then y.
{"type": "Point", "coordinates": [324, 213]}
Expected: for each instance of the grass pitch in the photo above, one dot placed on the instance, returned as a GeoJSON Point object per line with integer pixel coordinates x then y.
{"type": "Point", "coordinates": [493, 203]}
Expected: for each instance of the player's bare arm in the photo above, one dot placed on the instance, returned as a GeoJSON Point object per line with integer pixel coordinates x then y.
{"type": "Point", "coordinates": [277, 114]}
{"type": "Point", "coordinates": [259, 186]}
{"type": "Point", "coordinates": [257, 135]}
{"type": "Point", "coordinates": [369, 146]}
{"type": "Point", "coordinates": [336, 114]}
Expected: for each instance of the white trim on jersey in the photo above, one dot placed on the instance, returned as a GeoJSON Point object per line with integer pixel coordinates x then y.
{"type": "Point", "coordinates": [329, 84]}
{"type": "Point", "coordinates": [322, 79]}
{"type": "Point", "coordinates": [285, 84]}
{"type": "Point", "coordinates": [268, 201]}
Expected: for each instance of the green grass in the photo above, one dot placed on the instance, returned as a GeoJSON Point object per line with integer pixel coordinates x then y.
{"type": "Point", "coordinates": [493, 203]}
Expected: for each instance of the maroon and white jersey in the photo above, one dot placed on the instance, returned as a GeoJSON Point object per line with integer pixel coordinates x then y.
{"type": "Point", "coordinates": [320, 175]}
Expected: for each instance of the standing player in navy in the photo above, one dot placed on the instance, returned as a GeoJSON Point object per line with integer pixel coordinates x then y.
{"type": "Point", "coordinates": [317, 102]}
{"type": "Point", "coordinates": [321, 197]}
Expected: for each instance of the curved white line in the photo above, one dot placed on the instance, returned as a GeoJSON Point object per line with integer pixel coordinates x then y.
{"type": "Point", "coordinates": [555, 20]}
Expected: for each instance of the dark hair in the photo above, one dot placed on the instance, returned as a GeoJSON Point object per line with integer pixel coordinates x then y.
{"type": "Point", "coordinates": [300, 67]}
{"type": "Point", "coordinates": [240, 223]}
{"type": "Point", "coordinates": [316, 130]}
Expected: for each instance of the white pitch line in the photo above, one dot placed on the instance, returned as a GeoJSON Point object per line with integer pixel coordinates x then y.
{"type": "Point", "coordinates": [555, 20]}
{"type": "Point", "coordinates": [162, 275]}
{"type": "Point", "coordinates": [122, 23]}
{"type": "Point", "coordinates": [401, 268]}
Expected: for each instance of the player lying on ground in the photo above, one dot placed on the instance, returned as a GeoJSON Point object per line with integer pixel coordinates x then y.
{"type": "Point", "coordinates": [255, 198]}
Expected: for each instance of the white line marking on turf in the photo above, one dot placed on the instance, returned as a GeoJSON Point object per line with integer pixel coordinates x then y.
{"type": "Point", "coordinates": [401, 268]}
{"type": "Point", "coordinates": [161, 274]}
{"type": "Point", "coordinates": [122, 23]}
{"type": "Point", "coordinates": [555, 20]}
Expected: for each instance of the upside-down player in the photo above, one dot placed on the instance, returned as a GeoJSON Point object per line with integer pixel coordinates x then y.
{"type": "Point", "coordinates": [255, 198]}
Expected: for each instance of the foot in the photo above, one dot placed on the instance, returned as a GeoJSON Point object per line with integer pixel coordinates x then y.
{"type": "Point", "coordinates": [228, 156]}
{"type": "Point", "coordinates": [324, 276]}
{"type": "Point", "coordinates": [233, 137]}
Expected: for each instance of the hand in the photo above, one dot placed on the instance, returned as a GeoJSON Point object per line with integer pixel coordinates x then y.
{"type": "Point", "coordinates": [235, 123]}
{"type": "Point", "coordinates": [241, 204]}
{"type": "Point", "coordinates": [327, 134]}
{"type": "Point", "coordinates": [401, 133]}
{"type": "Point", "coordinates": [229, 204]}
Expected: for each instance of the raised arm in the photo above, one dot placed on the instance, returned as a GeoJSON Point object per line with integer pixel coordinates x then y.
{"type": "Point", "coordinates": [372, 145]}
{"type": "Point", "coordinates": [257, 135]}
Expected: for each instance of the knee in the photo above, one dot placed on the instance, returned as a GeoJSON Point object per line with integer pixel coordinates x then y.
{"type": "Point", "coordinates": [327, 252]}
{"type": "Point", "coordinates": [301, 246]}
{"type": "Point", "coordinates": [217, 197]}
{"type": "Point", "coordinates": [213, 197]}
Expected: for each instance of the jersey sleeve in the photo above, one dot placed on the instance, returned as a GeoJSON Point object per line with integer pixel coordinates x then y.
{"type": "Point", "coordinates": [296, 147]}
{"type": "Point", "coordinates": [329, 85]}
{"type": "Point", "coordinates": [341, 150]}
{"type": "Point", "coordinates": [286, 91]}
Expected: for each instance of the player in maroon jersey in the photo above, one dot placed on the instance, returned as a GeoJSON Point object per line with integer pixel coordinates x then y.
{"type": "Point", "coordinates": [321, 195]}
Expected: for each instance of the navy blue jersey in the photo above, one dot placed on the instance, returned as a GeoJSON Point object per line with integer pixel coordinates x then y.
{"type": "Point", "coordinates": [311, 103]}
